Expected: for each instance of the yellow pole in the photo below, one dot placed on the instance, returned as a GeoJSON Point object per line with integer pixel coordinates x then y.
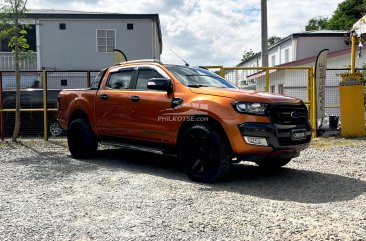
{"type": "Point", "coordinates": [45, 121]}
{"type": "Point", "coordinates": [313, 103]}
{"type": "Point", "coordinates": [222, 71]}
{"type": "Point", "coordinates": [353, 54]}
{"type": "Point", "coordinates": [267, 80]}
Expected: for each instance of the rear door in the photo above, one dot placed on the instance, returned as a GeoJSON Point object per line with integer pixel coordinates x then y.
{"type": "Point", "coordinates": [113, 104]}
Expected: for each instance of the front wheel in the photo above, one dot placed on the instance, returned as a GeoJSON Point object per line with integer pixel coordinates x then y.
{"type": "Point", "coordinates": [273, 163]}
{"type": "Point", "coordinates": [204, 154]}
{"type": "Point", "coordinates": [81, 139]}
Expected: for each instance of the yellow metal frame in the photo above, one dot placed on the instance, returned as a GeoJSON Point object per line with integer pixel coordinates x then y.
{"type": "Point", "coordinates": [311, 103]}
{"type": "Point", "coordinates": [45, 100]}
{"type": "Point", "coordinates": [44, 109]}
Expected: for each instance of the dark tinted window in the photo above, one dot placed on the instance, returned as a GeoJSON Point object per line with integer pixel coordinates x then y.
{"type": "Point", "coordinates": [144, 76]}
{"type": "Point", "coordinates": [64, 82]}
{"type": "Point", "coordinates": [62, 26]}
{"type": "Point", "coordinates": [30, 36]}
{"type": "Point", "coordinates": [120, 80]}
{"type": "Point", "coordinates": [98, 78]}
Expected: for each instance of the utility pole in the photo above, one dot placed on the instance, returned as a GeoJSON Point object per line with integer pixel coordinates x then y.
{"type": "Point", "coordinates": [264, 33]}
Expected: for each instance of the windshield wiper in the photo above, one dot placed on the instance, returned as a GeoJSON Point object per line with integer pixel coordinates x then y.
{"type": "Point", "coordinates": [196, 85]}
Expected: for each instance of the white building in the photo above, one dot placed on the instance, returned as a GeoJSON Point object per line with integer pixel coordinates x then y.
{"type": "Point", "coordinates": [299, 46]}
{"type": "Point", "coordinates": [73, 40]}
{"type": "Point", "coordinates": [294, 47]}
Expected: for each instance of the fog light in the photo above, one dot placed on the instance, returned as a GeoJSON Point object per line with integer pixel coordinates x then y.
{"type": "Point", "coordinates": [258, 141]}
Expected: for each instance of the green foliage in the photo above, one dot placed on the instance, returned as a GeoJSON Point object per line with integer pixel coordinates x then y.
{"type": "Point", "coordinates": [247, 55]}
{"type": "Point", "coordinates": [317, 24]}
{"type": "Point", "coordinates": [12, 29]}
{"type": "Point", "coordinates": [346, 14]}
{"type": "Point", "coordinates": [273, 40]}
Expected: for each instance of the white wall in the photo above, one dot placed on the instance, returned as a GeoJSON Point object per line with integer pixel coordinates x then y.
{"type": "Point", "coordinates": [76, 47]}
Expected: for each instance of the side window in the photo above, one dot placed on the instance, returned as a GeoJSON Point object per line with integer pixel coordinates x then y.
{"type": "Point", "coordinates": [144, 76]}
{"type": "Point", "coordinates": [120, 80]}
{"type": "Point", "coordinates": [98, 78]}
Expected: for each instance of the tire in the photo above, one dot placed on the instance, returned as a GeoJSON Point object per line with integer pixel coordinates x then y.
{"type": "Point", "coordinates": [203, 154]}
{"type": "Point", "coordinates": [81, 139]}
{"type": "Point", "coordinates": [273, 163]}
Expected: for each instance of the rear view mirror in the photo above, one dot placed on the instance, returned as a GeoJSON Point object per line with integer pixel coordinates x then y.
{"type": "Point", "coordinates": [160, 84]}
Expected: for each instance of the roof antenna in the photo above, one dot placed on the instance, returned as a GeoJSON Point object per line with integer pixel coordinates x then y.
{"type": "Point", "coordinates": [179, 57]}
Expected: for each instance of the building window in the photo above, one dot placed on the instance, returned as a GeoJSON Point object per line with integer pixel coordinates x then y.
{"type": "Point", "coordinates": [287, 55]}
{"type": "Point", "coordinates": [106, 40]}
{"type": "Point", "coordinates": [62, 26]}
{"type": "Point", "coordinates": [273, 60]}
{"type": "Point", "coordinates": [280, 89]}
{"type": "Point", "coordinates": [130, 26]}
{"type": "Point", "coordinates": [273, 88]}
{"type": "Point", "coordinates": [64, 82]}
{"type": "Point", "coordinates": [30, 36]}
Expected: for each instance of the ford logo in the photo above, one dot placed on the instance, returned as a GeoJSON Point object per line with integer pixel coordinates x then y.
{"type": "Point", "coordinates": [295, 114]}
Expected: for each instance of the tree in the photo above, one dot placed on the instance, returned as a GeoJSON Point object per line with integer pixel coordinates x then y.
{"type": "Point", "coordinates": [346, 14]}
{"type": "Point", "coordinates": [247, 55]}
{"type": "Point", "coordinates": [317, 24]}
{"type": "Point", "coordinates": [273, 40]}
{"type": "Point", "coordinates": [14, 31]}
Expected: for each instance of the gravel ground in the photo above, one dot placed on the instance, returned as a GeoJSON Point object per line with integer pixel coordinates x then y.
{"type": "Point", "coordinates": [118, 195]}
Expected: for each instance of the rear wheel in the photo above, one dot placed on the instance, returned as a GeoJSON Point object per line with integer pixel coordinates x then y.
{"type": "Point", "coordinates": [203, 153]}
{"type": "Point", "coordinates": [81, 139]}
{"type": "Point", "coordinates": [273, 163]}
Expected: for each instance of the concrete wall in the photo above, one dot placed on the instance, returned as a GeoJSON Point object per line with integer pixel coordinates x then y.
{"type": "Point", "coordinates": [311, 46]}
{"type": "Point", "coordinates": [76, 47]}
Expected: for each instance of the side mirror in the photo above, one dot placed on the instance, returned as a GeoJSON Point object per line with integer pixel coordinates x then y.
{"type": "Point", "coordinates": [160, 84]}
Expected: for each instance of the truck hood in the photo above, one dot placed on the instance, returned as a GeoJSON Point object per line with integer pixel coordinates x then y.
{"type": "Point", "coordinates": [245, 95]}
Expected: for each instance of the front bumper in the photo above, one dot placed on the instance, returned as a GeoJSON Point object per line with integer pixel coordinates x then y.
{"type": "Point", "coordinates": [281, 138]}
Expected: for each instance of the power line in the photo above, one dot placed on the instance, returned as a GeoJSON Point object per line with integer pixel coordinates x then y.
{"type": "Point", "coordinates": [188, 14]}
{"type": "Point", "coordinates": [185, 7]}
{"type": "Point", "coordinates": [232, 26]}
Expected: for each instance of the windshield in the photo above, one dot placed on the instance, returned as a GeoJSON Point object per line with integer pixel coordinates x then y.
{"type": "Point", "coordinates": [198, 77]}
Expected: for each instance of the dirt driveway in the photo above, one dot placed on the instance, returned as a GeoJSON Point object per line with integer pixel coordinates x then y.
{"type": "Point", "coordinates": [118, 195]}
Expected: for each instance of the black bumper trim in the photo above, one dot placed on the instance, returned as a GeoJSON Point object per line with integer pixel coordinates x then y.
{"type": "Point", "coordinates": [278, 136]}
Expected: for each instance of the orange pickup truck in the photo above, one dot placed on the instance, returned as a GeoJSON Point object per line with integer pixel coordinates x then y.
{"type": "Point", "coordinates": [186, 111]}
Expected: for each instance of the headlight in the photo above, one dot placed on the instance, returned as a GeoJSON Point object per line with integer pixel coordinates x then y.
{"type": "Point", "coordinates": [251, 108]}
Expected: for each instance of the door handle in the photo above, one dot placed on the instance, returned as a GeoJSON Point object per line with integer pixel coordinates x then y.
{"type": "Point", "coordinates": [104, 96]}
{"type": "Point", "coordinates": [135, 98]}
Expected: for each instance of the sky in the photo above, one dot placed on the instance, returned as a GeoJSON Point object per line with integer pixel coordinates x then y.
{"type": "Point", "coordinates": [209, 32]}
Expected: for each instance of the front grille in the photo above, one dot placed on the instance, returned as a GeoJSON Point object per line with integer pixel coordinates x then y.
{"type": "Point", "coordinates": [288, 114]}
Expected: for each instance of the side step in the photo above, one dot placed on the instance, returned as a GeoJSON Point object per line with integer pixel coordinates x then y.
{"type": "Point", "coordinates": [140, 147]}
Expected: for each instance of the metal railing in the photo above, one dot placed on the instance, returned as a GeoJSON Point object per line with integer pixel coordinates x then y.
{"type": "Point", "coordinates": [39, 91]}
{"type": "Point", "coordinates": [7, 62]}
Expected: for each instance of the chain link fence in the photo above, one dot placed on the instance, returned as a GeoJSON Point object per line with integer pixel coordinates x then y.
{"type": "Point", "coordinates": [295, 82]}
{"type": "Point", "coordinates": [32, 94]}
